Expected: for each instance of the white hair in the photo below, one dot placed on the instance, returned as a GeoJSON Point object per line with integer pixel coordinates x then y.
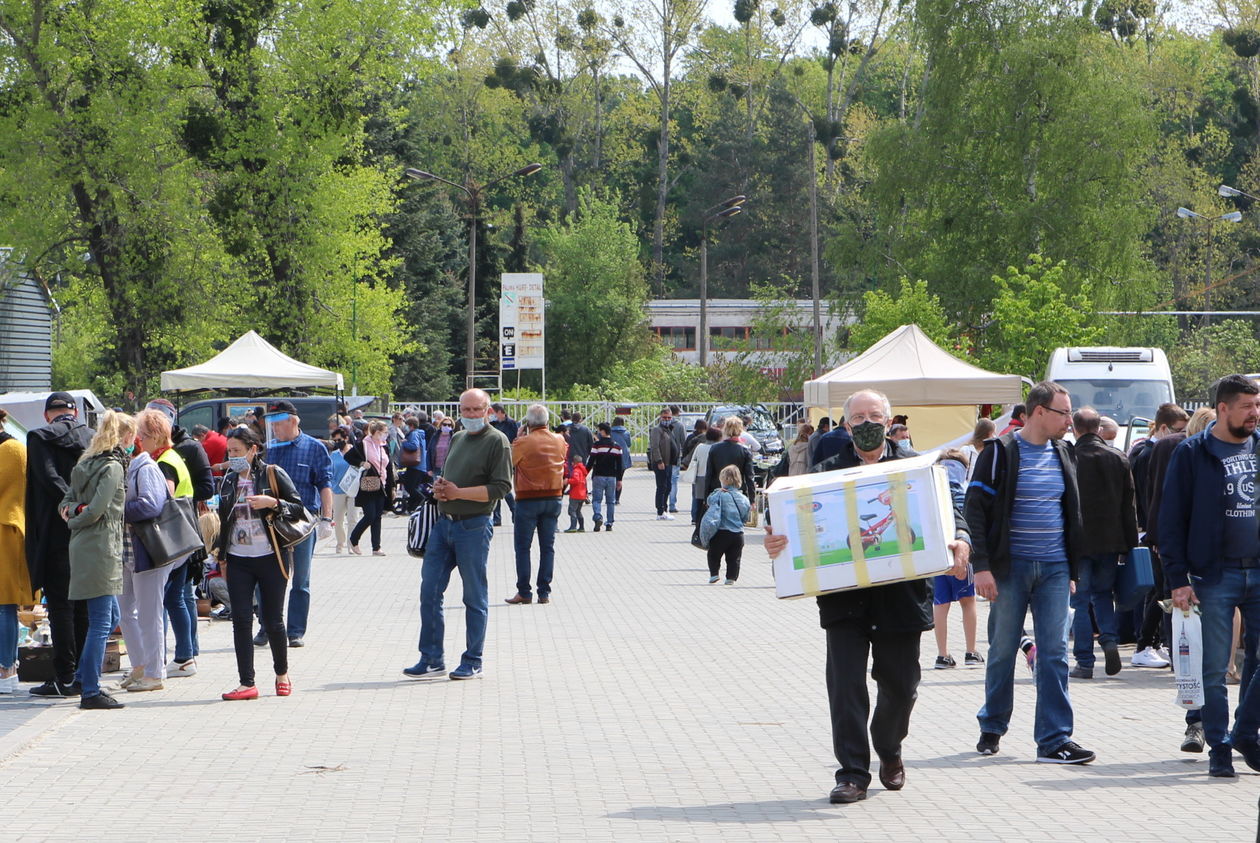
{"type": "Point", "coordinates": [537, 416]}
{"type": "Point", "coordinates": [873, 393]}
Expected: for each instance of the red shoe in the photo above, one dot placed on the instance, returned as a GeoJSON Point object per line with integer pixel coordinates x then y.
{"type": "Point", "coordinates": [283, 689]}
{"type": "Point", "coordinates": [250, 693]}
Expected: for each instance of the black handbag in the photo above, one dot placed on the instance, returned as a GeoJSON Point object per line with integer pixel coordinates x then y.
{"type": "Point", "coordinates": [288, 531]}
{"type": "Point", "coordinates": [172, 535]}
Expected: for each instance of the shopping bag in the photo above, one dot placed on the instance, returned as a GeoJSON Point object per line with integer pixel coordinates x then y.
{"type": "Point", "coordinates": [1187, 636]}
{"type": "Point", "coordinates": [1134, 578]}
{"type": "Point", "coordinates": [420, 526]}
{"type": "Point", "coordinates": [350, 481]}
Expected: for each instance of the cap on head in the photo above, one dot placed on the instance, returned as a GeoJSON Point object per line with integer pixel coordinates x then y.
{"type": "Point", "coordinates": [60, 401]}
{"type": "Point", "coordinates": [280, 410]}
{"type": "Point", "coordinates": [163, 406]}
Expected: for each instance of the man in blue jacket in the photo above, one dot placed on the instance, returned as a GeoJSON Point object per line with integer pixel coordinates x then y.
{"type": "Point", "coordinates": [1209, 538]}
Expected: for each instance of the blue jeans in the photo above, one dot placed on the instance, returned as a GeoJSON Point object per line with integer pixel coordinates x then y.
{"type": "Point", "coordinates": [604, 488]}
{"type": "Point", "coordinates": [510, 500]}
{"type": "Point", "coordinates": [1095, 579]}
{"type": "Point", "coordinates": [182, 613]}
{"type": "Point", "coordinates": [300, 586]}
{"type": "Point", "coordinates": [673, 488]}
{"type": "Point", "coordinates": [464, 545]}
{"type": "Point", "coordinates": [1238, 587]}
{"type": "Point", "coordinates": [8, 635]}
{"type": "Point", "coordinates": [102, 617]}
{"type": "Point", "coordinates": [542, 514]}
{"type": "Point", "coordinates": [1043, 586]}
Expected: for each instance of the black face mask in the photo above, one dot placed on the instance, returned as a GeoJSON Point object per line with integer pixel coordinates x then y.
{"type": "Point", "coordinates": [868, 436]}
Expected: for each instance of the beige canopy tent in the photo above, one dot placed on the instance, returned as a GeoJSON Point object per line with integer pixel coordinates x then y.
{"type": "Point", "coordinates": [935, 389]}
{"type": "Point", "coordinates": [250, 363]}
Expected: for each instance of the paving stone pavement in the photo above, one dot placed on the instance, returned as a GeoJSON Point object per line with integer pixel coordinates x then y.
{"type": "Point", "coordinates": [641, 704]}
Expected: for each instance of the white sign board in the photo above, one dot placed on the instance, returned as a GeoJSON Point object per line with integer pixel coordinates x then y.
{"type": "Point", "coordinates": [521, 313]}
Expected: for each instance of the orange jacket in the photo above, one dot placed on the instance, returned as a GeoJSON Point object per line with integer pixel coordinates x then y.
{"type": "Point", "coordinates": [538, 463]}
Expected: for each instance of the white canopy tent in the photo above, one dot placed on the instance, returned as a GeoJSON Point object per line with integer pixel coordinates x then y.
{"type": "Point", "coordinates": [922, 380]}
{"type": "Point", "coordinates": [250, 363]}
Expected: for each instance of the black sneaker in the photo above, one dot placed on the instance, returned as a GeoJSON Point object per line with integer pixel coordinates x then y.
{"type": "Point", "coordinates": [1069, 752]}
{"type": "Point", "coordinates": [988, 744]}
{"type": "Point", "coordinates": [598, 524]}
{"type": "Point", "coordinates": [53, 688]}
{"type": "Point", "coordinates": [1192, 742]}
{"type": "Point", "coordinates": [1079, 672]}
{"type": "Point", "coordinates": [100, 702]}
{"type": "Point", "coordinates": [1249, 750]}
{"type": "Point", "coordinates": [973, 660]}
{"type": "Point", "coordinates": [260, 640]}
{"type": "Point", "coordinates": [945, 663]}
{"type": "Point", "coordinates": [608, 528]}
{"type": "Point", "coordinates": [1111, 653]}
{"type": "Point", "coordinates": [1221, 762]}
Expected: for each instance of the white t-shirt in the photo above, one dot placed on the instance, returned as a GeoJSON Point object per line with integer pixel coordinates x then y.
{"type": "Point", "coordinates": [249, 533]}
{"type": "Point", "coordinates": [750, 442]}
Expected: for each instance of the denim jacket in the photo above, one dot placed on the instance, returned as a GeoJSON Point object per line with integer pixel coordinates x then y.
{"type": "Point", "coordinates": [734, 506]}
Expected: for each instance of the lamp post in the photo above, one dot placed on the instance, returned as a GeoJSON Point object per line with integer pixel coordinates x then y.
{"type": "Point", "coordinates": [729, 208]}
{"type": "Point", "coordinates": [1232, 216]}
{"type": "Point", "coordinates": [474, 192]}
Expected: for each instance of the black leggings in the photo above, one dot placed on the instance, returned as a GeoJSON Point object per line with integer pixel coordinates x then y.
{"type": "Point", "coordinates": [373, 509]}
{"type": "Point", "coordinates": [730, 544]}
{"type": "Point", "coordinates": [664, 479]}
{"type": "Point", "coordinates": [243, 573]}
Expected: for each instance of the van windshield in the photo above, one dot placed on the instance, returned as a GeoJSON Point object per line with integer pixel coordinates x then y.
{"type": "Point", "coordinates": [1120, 399]}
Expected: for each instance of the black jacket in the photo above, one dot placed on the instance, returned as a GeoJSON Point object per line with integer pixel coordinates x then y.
{"type": "Point", "coordinates": [198, 464]}
{"type": "Point", "coordinates": [581, 440]}
{"type": "Point", "coordinates": [356, 456]}
{"type": "Point", "coordinates": [1108, 516]}
{"type": "Point", "coordinates": [1139, 460]}
{"type": "Point", "coordinates": [991, 496]}
{"type": "Point", "coordinates": [51, 452]}
{"type": "Point", "coordinates": [722, 454]}
{"type": "Point", "coordinates": [290, 505]}
{"type": "Point", "coordinates": [897, 608]}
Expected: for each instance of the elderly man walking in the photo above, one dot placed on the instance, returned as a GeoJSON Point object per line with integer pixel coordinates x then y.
{"type": "Point", "coordinates": [476, 475]}
{"type": "Point", "coordinates": [880, 626]}
{"type": "Point", "coordinates": [538, 463]}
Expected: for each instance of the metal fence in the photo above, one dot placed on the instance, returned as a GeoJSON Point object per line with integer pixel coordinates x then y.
{"type": "Point", "coordinates": [638, 419]}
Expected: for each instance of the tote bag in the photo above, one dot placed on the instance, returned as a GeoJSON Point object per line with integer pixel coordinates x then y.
{"type": "Point", "coordinates": [171, 535]}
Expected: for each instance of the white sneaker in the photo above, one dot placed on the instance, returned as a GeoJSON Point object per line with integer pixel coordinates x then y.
{"type": "Point", "coordinates": [1163, 654]}
{"type": "Point", "coordinates": [1148, 658]}
{"type": "Point", "coordinates": [662, 517]}
{"type": "Point", "coordinates": [175, 670]}
{"type": "Point", "coordinates": [9, 684]}
{"type": "Point", "coordinates": [668, 517]}
{"type": "Point", "coordinates": [146, 683]}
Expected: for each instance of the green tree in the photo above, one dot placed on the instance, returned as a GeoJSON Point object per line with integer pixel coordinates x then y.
{"type": "Point", "coordinates": [1033, 315]}
{"type": "Point", "coordinates": [883, 313]}
{"type": "Point", "coordinates": [595, 291]}
{"type": "Point", "coordinates": [1210, 352]}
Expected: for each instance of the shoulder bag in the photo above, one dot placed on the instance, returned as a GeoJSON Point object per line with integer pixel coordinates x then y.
{"type": "Point", "coordinates": [288, 531]}
{"type": "Point", "coordinates": [170, 536]}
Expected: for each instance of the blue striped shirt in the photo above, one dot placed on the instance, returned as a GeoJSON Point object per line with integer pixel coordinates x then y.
{"type": "Point", "coordinates": [1037, 517]}
{"type": "Point", "coordinates": [307, 463]}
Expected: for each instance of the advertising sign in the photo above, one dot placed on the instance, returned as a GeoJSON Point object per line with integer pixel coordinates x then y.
{"type": "Point", "coordinates": [521, 314]}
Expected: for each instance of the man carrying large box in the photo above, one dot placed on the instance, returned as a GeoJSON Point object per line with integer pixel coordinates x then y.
{"type": "Point", "coordinates": [884, 621]}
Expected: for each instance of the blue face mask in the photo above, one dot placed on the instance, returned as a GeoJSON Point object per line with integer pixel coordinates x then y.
{"type": "Point", "coordinates": [130, 449]}
{"type": "Point", "coordinates": [474, 425]}
{"type": "Point", "coordinates": [238, 464]}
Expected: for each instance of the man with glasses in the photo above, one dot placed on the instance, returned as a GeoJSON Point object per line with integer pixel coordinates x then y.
{"type": "Point", "coordinates": [1024, 510]}
{"type": "Point", "coordinates": [477, 474]}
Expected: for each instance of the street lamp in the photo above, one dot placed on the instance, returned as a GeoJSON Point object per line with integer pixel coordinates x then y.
{"type": "Point", "coordinates": [1232, 216]}
{"type": "Point", "coordinates": [474, 192]}
{"type": "Point", "coordinates": [729, 208]}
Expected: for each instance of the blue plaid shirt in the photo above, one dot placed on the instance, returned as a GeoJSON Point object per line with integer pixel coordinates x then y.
{"type": "Point", "coordinates": [307, 463]}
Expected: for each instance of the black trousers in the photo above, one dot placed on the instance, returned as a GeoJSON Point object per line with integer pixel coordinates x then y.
{"type": "Point", "coordinates": [67, 619]}
{"type": "Point", "coordinates": [373, 509]}
{"type": "Point", "coordinates": [1156, 623]}
{"type": "Point", "coordinates": [728, 544]}
{"type": "Point", "coordinates": [895, 668]}
{"type": "Point", "coordinates": [663, 483]}
{"type": "Point", "coordinates": [411, 482]}
{"type": "Point", "coordinates": [243, 573]}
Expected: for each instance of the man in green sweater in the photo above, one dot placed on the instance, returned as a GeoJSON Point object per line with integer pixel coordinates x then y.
{"type": "Point", "coordinates": [477, 474]}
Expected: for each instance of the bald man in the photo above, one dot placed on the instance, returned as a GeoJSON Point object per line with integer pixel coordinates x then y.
{"type": "Point", "coordinates": [477, 475]}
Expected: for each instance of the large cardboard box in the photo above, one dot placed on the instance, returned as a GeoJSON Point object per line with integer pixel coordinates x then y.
{"type": "Point", "coordinates": [863, 526]}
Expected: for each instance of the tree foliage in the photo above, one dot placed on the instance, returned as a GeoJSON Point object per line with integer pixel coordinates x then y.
{"type": "Point", "coordinates": [883, 313]}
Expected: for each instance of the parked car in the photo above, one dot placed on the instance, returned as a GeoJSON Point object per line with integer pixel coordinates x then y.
{"type": "Point", "coordinates": [314, 410]}
{"type": "Point", "coordinates": [688, 420]}
{"type": "Point", "coordinates": [762, 427]}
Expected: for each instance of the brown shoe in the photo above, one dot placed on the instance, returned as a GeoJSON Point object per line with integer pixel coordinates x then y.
{"type": "Point", "coordinates": [846, 792]}
{"type": "Point", "coordinates": [892, 774]}
{"type": "Point", "coordinates": [544, 599]}
{"type": "Point", "coordinates": [517, 600]}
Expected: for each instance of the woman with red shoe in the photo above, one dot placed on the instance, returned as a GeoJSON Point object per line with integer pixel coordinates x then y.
{"type": "Point", "coordinates": [249, 556]}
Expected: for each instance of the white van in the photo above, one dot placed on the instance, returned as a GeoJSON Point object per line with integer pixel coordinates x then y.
{"type": "Point", "coordinates": [1127, 384]}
